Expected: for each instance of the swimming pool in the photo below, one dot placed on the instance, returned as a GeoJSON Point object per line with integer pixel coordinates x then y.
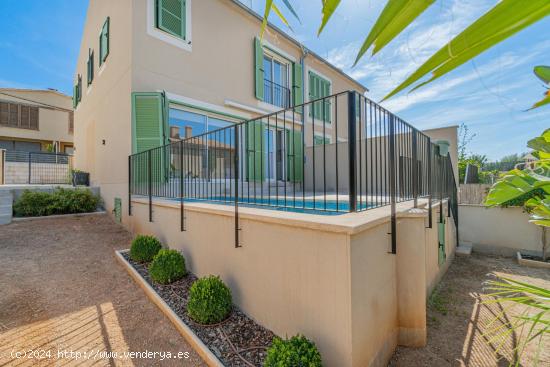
{"type": "Point", "coordinates": [298, 205]}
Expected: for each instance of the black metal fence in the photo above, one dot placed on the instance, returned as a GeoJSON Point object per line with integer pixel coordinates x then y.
{"type": "Point", "coordinates": [341, 153]}
{"type": "Point", "coordinates": [37, 168]}
{"type": "Point", "coordinates": [276, 94]}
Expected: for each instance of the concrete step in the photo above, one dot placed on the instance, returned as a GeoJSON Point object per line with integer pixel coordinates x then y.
{"type": "Point", "coordinates": [5, 219]}
{"type": "Point", "coordinates": [464, 249]}
{"type": "Point", "coordinates": [6, 209]}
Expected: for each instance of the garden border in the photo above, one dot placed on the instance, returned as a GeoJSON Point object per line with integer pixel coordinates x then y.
{"type": "Point", "coordinates": [23, 219]}
{"type": "Point", "coordinates": [532, 263]}
{"type": "Point", "coordinates": [182, 328]}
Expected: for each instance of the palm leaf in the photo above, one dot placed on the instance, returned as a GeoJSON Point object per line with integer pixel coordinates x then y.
{"type": "Point", "coordinates": [329, 6]}
{"type": "Point", "coordinates": [268, 7]}
{"type": "Point", "coordinates": [291, 9]}
{"type": "Point", "coordinates": [395, 17]}
{"type": "Point", "coordinates": [542, 102]}
{"type": "Point", "coordinates": [543, 73]}
{"type": "Point", "coordinates": [280, 15]}
{"type": "Point", "coordinates": [504, 20]}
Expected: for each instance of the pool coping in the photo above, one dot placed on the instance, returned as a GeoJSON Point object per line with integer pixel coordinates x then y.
{"type": "Point", "coordinates": [347, 223]}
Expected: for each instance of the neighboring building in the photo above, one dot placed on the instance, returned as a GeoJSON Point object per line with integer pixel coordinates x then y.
{"type": "Point", "coordinates": [35, 120]}
{"type": "Point", "coordinates": [152, 71]}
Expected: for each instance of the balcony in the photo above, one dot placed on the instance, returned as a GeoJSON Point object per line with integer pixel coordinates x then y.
{"type": "Point", "coordinates": [276, 94]}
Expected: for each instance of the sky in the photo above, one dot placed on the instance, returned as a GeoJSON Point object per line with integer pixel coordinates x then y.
{"type": "Point", "coordinates": [41, 39]}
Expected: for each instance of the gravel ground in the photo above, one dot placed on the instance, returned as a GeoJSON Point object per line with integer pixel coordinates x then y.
{"type": "Point", "coordinates": [64, 297]}
{"type": "Point", "coordinates": [459, 325]}
{"type": "Point", "coordinates": [236, 341]}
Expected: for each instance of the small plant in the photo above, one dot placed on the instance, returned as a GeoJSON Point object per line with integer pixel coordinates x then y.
{"type": "Point", "coordinates": [60, 201]}
{"type": "Point", "coordinates": [209, 300]}
{"type": "Point", "coordinates": [297, 351]}
{"type": "Point", "coordinates": [167, 266]}
{"type": "Point", "coordinates": [144, 248]}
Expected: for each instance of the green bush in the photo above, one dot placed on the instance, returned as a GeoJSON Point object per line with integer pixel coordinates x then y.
{"type": "Point", "coordinates": [167, 266]}
{"type": "Point", "coordinates": [297, 351]}
{"type": "Point", "coordinates": [60, 201]}
{"type": "Point", "coordinates": [144, 248]}
{"type": "Point", "coordinates": [209, 300]}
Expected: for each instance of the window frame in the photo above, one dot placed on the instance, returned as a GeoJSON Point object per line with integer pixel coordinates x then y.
{"type": "Point", "coordinates": [161, 35]}
{"type": "Point", "coordinates": [309, 99]}
{"type": "Point", "coordinates": [274, 56]}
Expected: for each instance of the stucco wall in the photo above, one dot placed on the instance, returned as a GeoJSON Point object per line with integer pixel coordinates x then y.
{"type": "Point", "coordinates": [331, 278]}
{"type": "Point", "coordinates": [450, 134]}
{"type": "Point", "coordinates": [103, 117]}
{"type": "Point", "coordinates": [499, 230]}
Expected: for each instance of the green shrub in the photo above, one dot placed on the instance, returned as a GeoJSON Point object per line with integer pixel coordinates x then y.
{"type": "Point", "coordinates": [60, 201]}
{"type": "Point", "coordinates": [297, 351]}
{"type": "Point", "coordinates": [144, 248]}
{"type": "Point", "coordinates": [167, 266]}
{"type": "Point", "coordinates": [209, 300]}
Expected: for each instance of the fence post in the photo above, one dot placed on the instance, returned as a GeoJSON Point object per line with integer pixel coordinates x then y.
{"type": "Point", "coordinates": [30, 167]}
{"type": "Point", "coordinates": [2, 166]}
{"type": "Point", "coordinates": [182, 208]}
{"type": "Point", "coordinates": [392, 184]}
{"type": "Point", "coordinates": [415, 167]}
{"type": "Point", "coordinates": [149, 183]}
{"type": "Point", "coordinates": [430, 183]}
{"type": "Point", "coordinates": [352, 153]}
{"type": "Point", "coordinates": [129, 185]}
{"type": "Point", "coordinates": [236, 175]}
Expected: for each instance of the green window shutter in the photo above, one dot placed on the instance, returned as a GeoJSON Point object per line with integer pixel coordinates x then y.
{"type": "Point", "coordinates": [259, 68]}
{"type": "Point", "coordinates": [255, 131]}
{"type": "Point", "coordinates": [104, 41]}
{"type": "Point", "coordinates": [295, 155]}
{"type": "Point", "coordinates": [357, 105]}
{"type": "Point", "coordinates": [118, 210]}
{"type": "Point", "coordinates": [75, 96]}
{"type": "Point", "coordinates": [326, 105]}
{"type": "Point", "coordinates": [147, 121]}
{"type": "Point", "coordinates": [171, 17]}
{"type": "Point", "coordinates": [441, 239]}
{"type": "Point", "coordinates": [297, 90]}
{"type": "Point", "coordinates": [79, 89]}
{"type": "Point", "coordinates": [90, 76]}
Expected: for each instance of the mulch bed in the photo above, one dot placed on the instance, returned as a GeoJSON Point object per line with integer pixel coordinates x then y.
{"type": "Point", "coordinates": [236, 341]}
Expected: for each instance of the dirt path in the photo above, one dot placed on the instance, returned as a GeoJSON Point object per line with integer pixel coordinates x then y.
{"type": "Point", "coordinates": [63, 296]}
{"type": "Point", "coordinates": [459, 325]}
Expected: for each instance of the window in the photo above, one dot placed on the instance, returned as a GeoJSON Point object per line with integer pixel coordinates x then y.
{"type": "Point", "coordinates": [170, 17]}
{"type": "Point", "coordinates": [104, 41]}
{"type": "Point", "coordinates": [319, 140]}
{"type": "Point", "coordinates": [18, 115]}
{"type": "Point", "coordinates": [77, 91]}
{"type": "Point", "coordinates": [319, 87]}
{"type": "Point", "coordinates": [276, 81]}
{"type": "Point", "coordinates": [90, 66]}
{"type": "Point", "coordinates": [185, 124]}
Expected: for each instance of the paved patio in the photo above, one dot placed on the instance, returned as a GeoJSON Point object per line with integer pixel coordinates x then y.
{"type": "Point", "coordinates": [64, 297]}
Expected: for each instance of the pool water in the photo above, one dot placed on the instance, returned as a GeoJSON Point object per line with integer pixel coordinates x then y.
{"type": "Point", "coordinates": [297, 205]}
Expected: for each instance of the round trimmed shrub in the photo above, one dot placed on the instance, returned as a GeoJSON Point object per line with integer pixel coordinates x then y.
{"type": "Point", "coordinates": [294, 352]}
{"type": "Point", "coordinates": [209, 300]}
{"type": "Point", "coordinates": [144, 248]}
{"type": "Point", "coordinates": [167, 266]}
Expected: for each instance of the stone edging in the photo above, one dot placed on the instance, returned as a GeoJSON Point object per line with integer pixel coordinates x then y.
{"type": "Point", "coordinates": [23, 219]}
{"type": "Point", "coordinates": [182, 328]}
{"type": "Point", "coordinates": [532, 263]}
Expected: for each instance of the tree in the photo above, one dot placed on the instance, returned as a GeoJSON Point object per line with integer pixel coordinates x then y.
{"type": "Point", "coordinates": [505, 19]}
{"type": "Point", "coordinates": [465, 137]}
